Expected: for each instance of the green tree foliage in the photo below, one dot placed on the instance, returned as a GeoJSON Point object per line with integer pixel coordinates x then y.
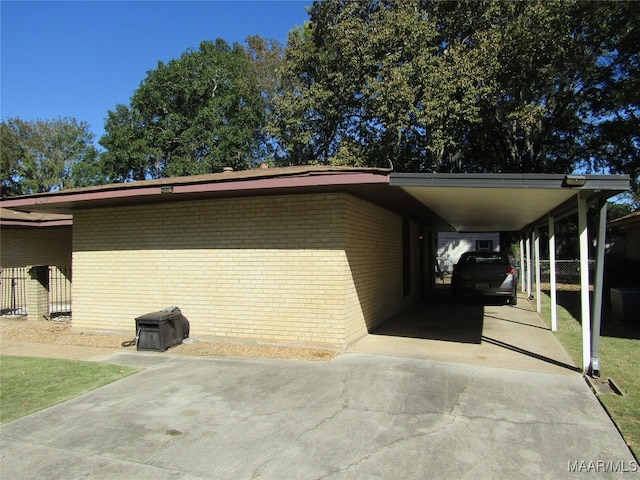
{"type": "Point", "coordinates": [266, 57]}
{"type": "Point", "coordinates": [615, 92]}
{"type": "Point", "coordinates": [496, 86]}
{"type": "Point", "coordinates": [196, 114]}
{"type": "Point", "coordinates": [47, 155]}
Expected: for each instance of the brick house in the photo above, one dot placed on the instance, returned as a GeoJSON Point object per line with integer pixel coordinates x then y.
{"type": "Point", "coordinates": [623, 258]}
{"type": "Point", "coordinates": [297, 258]}
{"type": "Point", "coordinates": [277, 268]}
{"type": "Point", "coordinates": [630, 226]}
{"type": "Point", "coordinates": [311, 255]}
{"type": "Point", "coordinates": [35, 239]}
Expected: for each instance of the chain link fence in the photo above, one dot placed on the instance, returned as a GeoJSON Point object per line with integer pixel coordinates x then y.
{"type": "Point", "coordinates": [567, 271]}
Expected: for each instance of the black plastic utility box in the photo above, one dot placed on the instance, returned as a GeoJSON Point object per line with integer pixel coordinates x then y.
{"type": "Point", "coordinates": [161, 330]}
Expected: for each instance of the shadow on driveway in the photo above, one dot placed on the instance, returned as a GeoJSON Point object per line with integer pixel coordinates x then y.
{"type": "Point", "coordinates": [476, 331]}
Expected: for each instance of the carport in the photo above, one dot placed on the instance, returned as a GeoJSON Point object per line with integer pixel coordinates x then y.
{"type": "Point", "coordinates": [527, 203]}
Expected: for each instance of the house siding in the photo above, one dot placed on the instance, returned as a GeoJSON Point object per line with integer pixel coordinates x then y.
{"type": "Point", "coordinates": [373, 246]}
{"type": "Point", "coordinates": [300, 269]}
{"type": "Point", "coordinates": [452, 245]}
{"type": "Point", "coordinates": [24, 246]}
{"type": "Point", "coordinates": [269, 268]}
{"type": "Point", "coordinates": [374, 249]}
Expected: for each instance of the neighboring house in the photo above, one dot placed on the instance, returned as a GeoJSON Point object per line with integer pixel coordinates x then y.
{"type": "Point", "coordinates": [451, 245]}
{"type": "Point", "coordinates": [623, 256]}
{"type": "Point", "coordinates": [621, 268]}
{"type": "Point", "coordinates": [629, 246]}
{"type": "Point", "coordinates": [299, 255]}
{"type": "Point", "coordinates": [34, 239]}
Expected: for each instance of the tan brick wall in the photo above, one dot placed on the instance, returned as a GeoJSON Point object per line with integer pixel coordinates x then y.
{"type": "Point", "coordinates": [22, 246]}
{"type": "Point", "coordinates": [312, 269]}
{"type": "Point", "coordinates": [373, 244]}
{"type": "Point", "coordinates": [264, 268]}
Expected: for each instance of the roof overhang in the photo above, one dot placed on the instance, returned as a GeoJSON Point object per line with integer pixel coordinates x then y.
{"type": "Point", "coordinates": [366, 183]}
{"type": "Point", "coordinates": [631, 220]}
{"type": "Point", "coordinates": [229, 184]}
{"type": "Point", "coordinates": [445, 202]}
{"type": "Point", "coordinates": [12, 218]}
{"type": "Point", "coordinates": [505, 202]}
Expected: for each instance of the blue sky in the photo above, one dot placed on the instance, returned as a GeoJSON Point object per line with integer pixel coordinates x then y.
{"type": "Point", "coordinates": [82, 58]}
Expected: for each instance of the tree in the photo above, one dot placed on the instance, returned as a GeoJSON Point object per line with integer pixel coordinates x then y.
{"type": "Point", "coordinates": [47, 155]}
{"type": "Point", "coordinates": [195, 114]}
{"type": "Point", "coordinates": [615, 93]}
{"type": "Point", "coordinates": [364, 84]}
{"type": "Point", "coordinates": [494, 86]}
{"type": "Point", "coordinates": [267, 58]}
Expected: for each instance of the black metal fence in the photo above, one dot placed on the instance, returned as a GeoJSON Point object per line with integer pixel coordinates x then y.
{"type": "Point", "coordinates": [59, 291]}
{"type": "Point", "coordinates": [13, 291]}
{"type": "Point", "coordinates": [13, 287]}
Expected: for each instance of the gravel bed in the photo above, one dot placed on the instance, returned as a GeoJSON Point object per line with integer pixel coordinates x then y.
{"type": "Point", "coordinates": [60, 333]}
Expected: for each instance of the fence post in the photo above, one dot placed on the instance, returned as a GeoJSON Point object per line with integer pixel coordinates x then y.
{"type": "Point", "coordinates": [38, 292]}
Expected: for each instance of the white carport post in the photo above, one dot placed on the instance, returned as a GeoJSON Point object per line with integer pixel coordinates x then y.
{"type": "Point", "coordinates": [523, 268]}
{"type": "Point", "coordinates": [528, 265]}
{"type": "Point", "coordinates": [536, 252]}
{"type": "Point", "coordinates": [584, 282]}
{"type": "Point", "coordinates": [597, 291]}
{"type": "Point", "coordinates": [552, 274]}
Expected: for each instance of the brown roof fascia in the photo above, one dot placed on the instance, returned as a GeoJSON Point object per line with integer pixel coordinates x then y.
{"type": "Point", "coordinates": [631, 219]}
{"type": "Point", "coordinates": [284, 178]}
{"type": "Point", "coordinates": [12, 218]}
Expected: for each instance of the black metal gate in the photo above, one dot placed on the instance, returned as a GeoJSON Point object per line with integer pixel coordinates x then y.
{"type": "Point", "coordinates": [13, 291]}
{"type": "Point", "coordinates": [13, 288]}
{"type": "Point", "coordinates": [59, 291]}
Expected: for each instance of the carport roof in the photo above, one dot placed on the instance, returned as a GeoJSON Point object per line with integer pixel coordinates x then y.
{"type": "Point", "coordinates": [505, 202]}
{"type": "Point", "coordinates": [447, 202]}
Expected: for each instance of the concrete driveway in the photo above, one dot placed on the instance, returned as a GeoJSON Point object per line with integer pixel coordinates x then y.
{"type": "Point", "coordinates": [476, 332]}
{"type": "Point", "coordinates": [357, 417]}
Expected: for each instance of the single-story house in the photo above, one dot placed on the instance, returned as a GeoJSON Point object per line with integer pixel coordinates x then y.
{"type": "Point", "coordinates": [630, 226]}
{"type": "Point", "coordinates": [34, 239]}
{"type": "Point", "coordinates": [451, 245]}
{"type": "Point", "coordinates": [302, 255]}
{"type": "Point", "coordinates": [29, 240]}
{"type": "Point", "coordinates": [622, 280]}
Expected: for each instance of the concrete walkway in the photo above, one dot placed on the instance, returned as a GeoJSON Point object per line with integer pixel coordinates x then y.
{"type": "Point", "coordinates": [356, 417]}
{"type": "Point", "coordinates": [475, 332]}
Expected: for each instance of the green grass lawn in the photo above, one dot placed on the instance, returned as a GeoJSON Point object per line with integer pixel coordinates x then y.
{"type": "Point", "coordinates": [30, 384]}
{"type": "Point", "coordinates": [619, 360]}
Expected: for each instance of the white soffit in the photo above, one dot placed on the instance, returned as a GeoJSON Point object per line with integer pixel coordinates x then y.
{"type": "Point", "coordinates": [489, 209]}
{"type": "Point", "coordinates": [479, 202]}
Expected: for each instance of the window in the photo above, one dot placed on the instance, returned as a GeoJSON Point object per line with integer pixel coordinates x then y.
{"type": "Point", "coordinates": [484, 245]}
